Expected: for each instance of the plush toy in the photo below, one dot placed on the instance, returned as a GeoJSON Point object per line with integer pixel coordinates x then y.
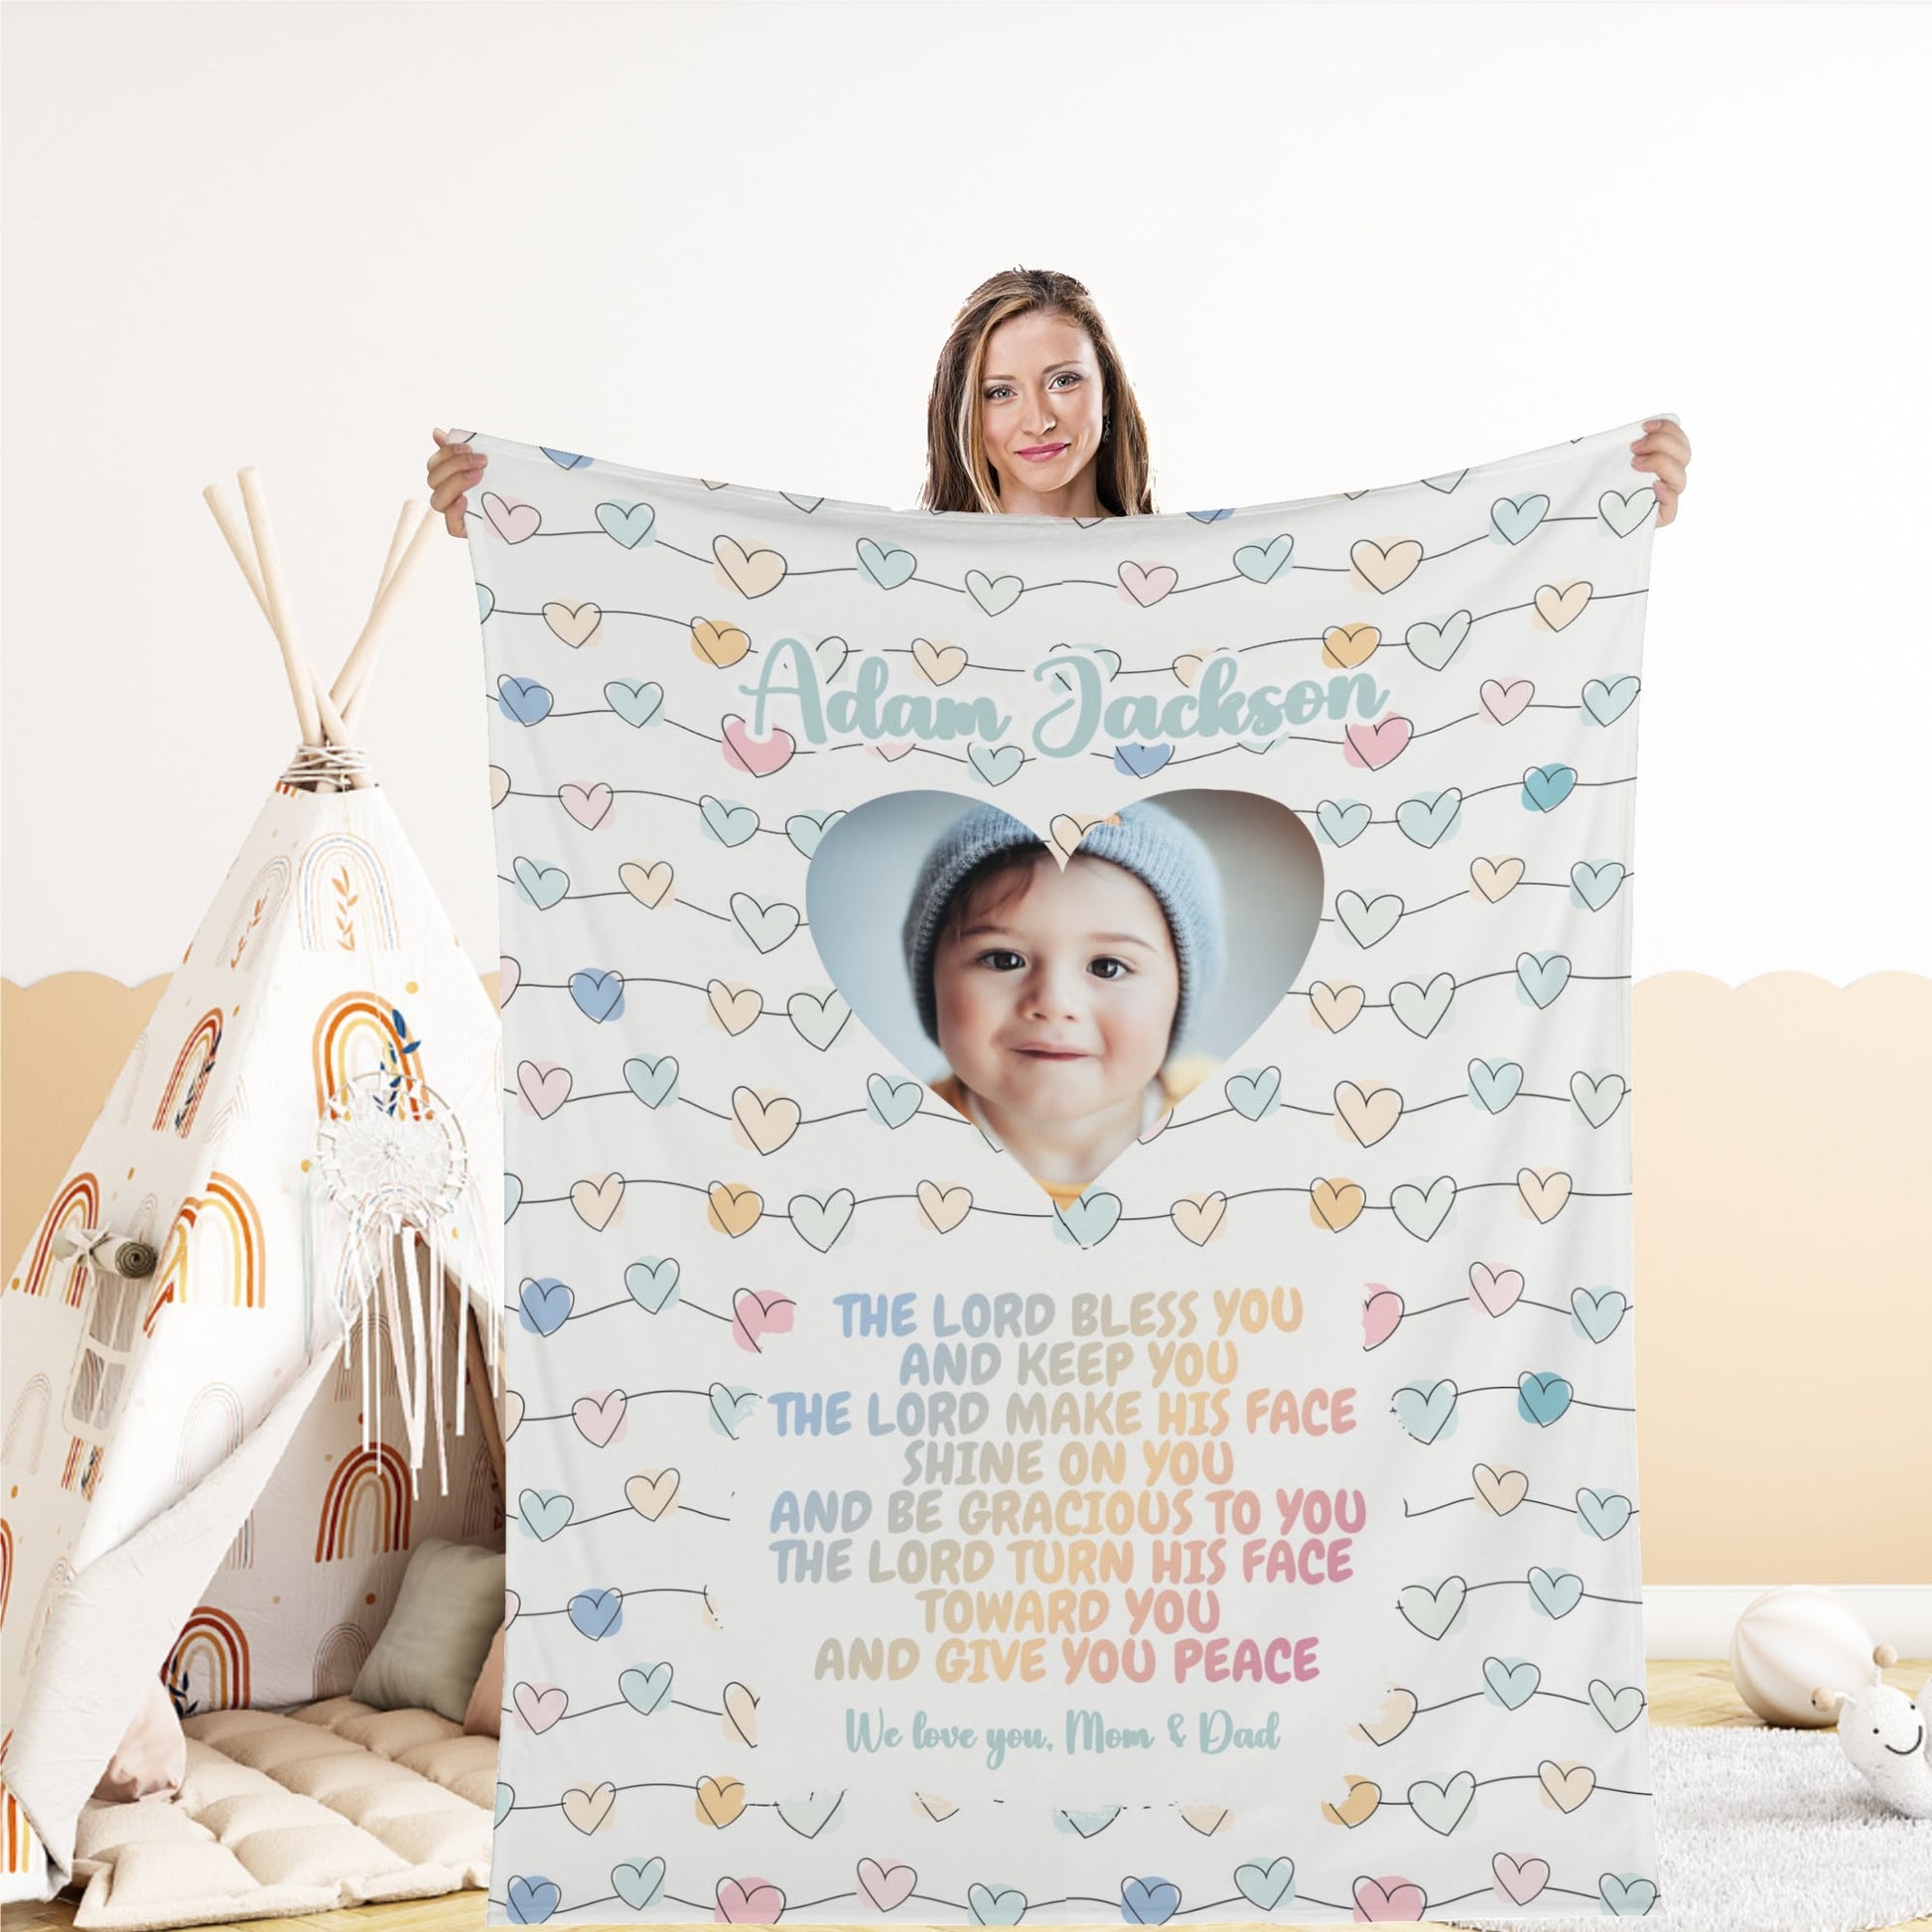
{"type": "Point", "coordinates": [1886, 1734]}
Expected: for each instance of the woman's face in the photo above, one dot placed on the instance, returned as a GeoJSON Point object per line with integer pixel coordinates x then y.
{"type": "Point", "coordinates": [1041, 389]}
{"type": "Point", "coordinates": [1055, 990]}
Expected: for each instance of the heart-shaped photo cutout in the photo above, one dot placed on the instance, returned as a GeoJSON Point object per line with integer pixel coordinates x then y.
{"type": "Point", "coordinates": [1065, 987]}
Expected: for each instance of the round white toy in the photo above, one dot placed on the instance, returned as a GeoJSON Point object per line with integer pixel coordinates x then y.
{"type": "Point", "coordinates": [1791, 1641]}
{"type": "Point", "coordinates": [1886, 1734]}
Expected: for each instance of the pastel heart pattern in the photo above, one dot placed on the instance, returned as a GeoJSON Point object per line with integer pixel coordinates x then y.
{"type": "Point", "coordinates": [759, 756]}
{"type": "Point", "coordinates": [888, 1886]}
{"type": "Point", "coordinates": [1381, 1899]}
{"type": "Point", "coordinates": [758, 1312]}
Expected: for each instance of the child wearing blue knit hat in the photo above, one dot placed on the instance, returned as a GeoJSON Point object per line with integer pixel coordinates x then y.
{"type": "Point", "coordinates": [1061, 996]}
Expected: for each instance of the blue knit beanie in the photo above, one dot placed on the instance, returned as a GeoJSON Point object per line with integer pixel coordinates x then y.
{"type": "Point", "coordinates": [1151, 842]}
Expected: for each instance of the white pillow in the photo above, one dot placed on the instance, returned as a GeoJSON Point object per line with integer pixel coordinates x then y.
{"type": "Point", "coordinates": [433, 1647]}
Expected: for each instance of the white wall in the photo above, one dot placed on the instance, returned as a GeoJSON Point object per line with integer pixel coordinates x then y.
{"type": "Point", "coordinates": [1339, 246]}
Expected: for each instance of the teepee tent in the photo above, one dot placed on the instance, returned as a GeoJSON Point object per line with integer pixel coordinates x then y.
{"type": "Point", "coordinates": [250, 1355]}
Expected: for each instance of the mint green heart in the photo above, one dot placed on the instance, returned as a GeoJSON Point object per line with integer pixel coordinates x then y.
{"type": "Point", "coordinates": [1005, 1906]}
{"type": "Point", "coordinates": [888, 568]}
{"type": "Point", "coordinates": [635, 704]}
{"type": "Point", "coordinates": [645, 1686]}
{"type": "Point", "coordinates": [1618, 1709]}
{"type": "Point", "coordinates": [541, 885]}
{"type": "Point", "coordinates": [1627, 512]}
{"type": "Point", "coordinates": [1262, 563]}
{"type": "Point", "coordinates": [1342, 823]}
{"type": "Point", "coordinates": [653, 1081]}
{"type": "Point", "coordinates": [1542, 1399]}
{"type": "Point", "coordinates": [1266, 1885]}
{"type": "Point", "coordinates": [638, 1884]}
{"type": "Point", "coordinates": [1628, 1894]}
{"type": "Point", "coordinates": [730, 1405]}
{"type": "Point", "coordinates": [829, 654]}
{"type": "Point", "coordinates": [1514, 1684]}
{"type": "Point", "coordinates": [996, 764]}
{"type": "Point", "coordinates": [809, 1815]}
{"type": "Point", "coordinates": [1493, 1084]}
{"type": "Point", "coordinates": [1597, 1099]}
{"type": "Point", "coordinates": [1542, 975]}
{"type": "Point", "coordinates": [1433, 645]}
{"type": "Point", "coordinates": [729, 822]}
{"type": "Point", "coordinates": [1433, 1609]}
{"type": "Point", "coordinates": [1421, 1008]}
{"type": "Point", "coordinates": [653, 1283]}
{"type": "Point", "coordinates": [485, 603]}
{"type": "Point", "coordinates": [821, 1222]}
{"type": "Point", "coordinates": [505, 1798]}
{"type": "Point", "coordinates": [1422, 1214]}
{"type": "Point", "coordinates": [767, 926]}
{"type": "Point", "coordinates": [1090, 1219]}
{"type": "Point", "coordinates": [626, 523]}
{"type": "Point", "coordinates": [805, 829]}
{"type": "Point", "coordinates": [1604, 1513]}
{"type": "Point", "coordinates": [1604, 704]}
{"type": "Point", "coordinates": [1367, 922]}
{"type": "Point", "coordinates": [544, 1512]}
{"type": "Point", "coordinates": [1557, 1591]}
{"type": "Point", "coordinates": [1430, 817]}
{"type": "Point", "coordinates": [1514, 517]}
{"type": "Point", "coordinates": [1441, 1806]}
{"type": "Point", "coordinates": [818, 1017]}
{"type": "Point", "coordinates": [1085, 1824]}
{"type": "Point", "coordinates": [890, 1101]}
{"type": "Point", "coordinates": [1596, 886]}
{"type": "Point", "coordinates": [1426, 1413]}
{"type": "Point", "coordinates": [993, 593]}
{"type": "Point", "coordinates": [1597, 1310]}
{"type": "Point", "coordinates": [512, 1194]}
{"type": "Point", "coordinates": [1255, 1093]}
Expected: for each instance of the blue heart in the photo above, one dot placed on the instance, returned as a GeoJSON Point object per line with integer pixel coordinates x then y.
{"type": "Point", "coordinates": [653, 1282]}
{"type": "Point", "coordinates": [767, 926]}
{"type": "Point", "coordinates": [1542, 976]}
{"type": "Point", "coordinates": [542, 886]}
{"type": "Point", "coordinates": [1514, 1684]}
{"type": "Point", "coordinates": [1149, 1902]}
{"type": "Point", "coordinates": [1266, 1885]}
{"type": "Point", "coordinates": [532, 1900]}
{"type": "Point", "coordinates": [730, 1405]}
{"type": "Point", "coordinates": [645, 1687]}
{"type": "Point", "coordinates": [1604, 1513]}
{"type": "Point", "coordinates": [512, 1194]}
{"type": "Point", "coordinates": [505, 1798]}
{"type": "Point", "coordinates": [892, 1102]}
{"type": "Point", "coordinates": [1514, 517]}
{"type": "Point", "coordinates": [1255, 1093]}
{"type": "Point", "coordinates": [1604, 704]}
{"type": "Point", "coordinates": [544, 1512]}
{"type": "Point", "coordinates": [1211, 517]}
{"type": "Point", "coordinates": [597, 1612]}
{"type": "Point", "coordinates": [888, 568]}
{"type": "Point", "coordinates": [1596, 886]}
{"type": "Point", "coordinates": [1597, 1310]}
{"type": "Point", "coordinates": [545, 1305]}
{"type": "Point", "coordinates": [1006, 1906]}
{"type": "Point", "coordinates": [565, 459]}
{"type": "Point", "coordinates": [485, 603]}
{"type": "Point", "coordinates": [522, 700]}
{"type": "Point", "coordinates": [996, 764]}
{"type": "Point", "coordinates": [626, 523]}
{"type": "Point", "coordinates": [1428, 819]}
{"type": "Point", "coordinates": [1542, 1399]}
{"type": "Point", "coordinates": [598, 995]}
{"type": "Point", "coordinates": [1546, 787]}
{"type": "Point", "coordinates": [1341, 821]}
{"type": "Point", "coordinates": [805, 829]}
{"type": "Point", "coordinates": [638, 1884]}
{"type": "Point", "coordinates": [635, 704]}
{"type": "Point", "coordinates": [652, 1081]}
{"type": "Point", "coordinates": [1140, 760]}
{"type": "Point", "coordinates": [1426, 1413]}
{"type": "Point", "coordinates": [1261, 563]}
{"type": "Point", "coordinates": [1627, 1895]}
{"type": "Point", "coordinates": [729, 822]}
{"type": "Point", "coordinates": [1557, 1592]}
{"type": "Point", "coordinates": [1090, 1219]}
{"type": "Point", "coordinates": [1493, 1084]}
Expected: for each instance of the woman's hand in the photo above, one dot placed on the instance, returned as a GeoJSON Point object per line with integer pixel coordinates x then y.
{"type": "Point", "coordinates": [452, 470]}
{"type": "Point", "coordinates": [1665, 449]}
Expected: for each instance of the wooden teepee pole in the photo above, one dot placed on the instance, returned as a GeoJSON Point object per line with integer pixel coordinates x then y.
{"type": "Point", "coordinates": [301, 680]}
{"type": "Point", "coordinates": [353, 680]}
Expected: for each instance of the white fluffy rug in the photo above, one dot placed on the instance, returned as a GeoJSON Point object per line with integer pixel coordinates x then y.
{"type": "Point", "coordinates": [1767, 1830]}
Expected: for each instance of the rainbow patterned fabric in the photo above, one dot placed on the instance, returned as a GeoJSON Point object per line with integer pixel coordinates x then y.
{"type": "Point", "coordinates": [1253, 1536]}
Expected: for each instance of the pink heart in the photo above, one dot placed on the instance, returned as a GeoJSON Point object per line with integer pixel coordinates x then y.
{"type": "Point", "coordinates": [1159, 1128]}
{"type": "Point", "coordinates": [512, 521]}
{"type": "Point", "coordinates": [1389, 1898]}
{"type": "Point", "coordinates": [1497, 1293]}
{"type": "Point", "coordinates": [1519, 1882]}
{"type": "Point", "coordinates": [511, 1605]}
{"type": "Point", "coordinates": [891, 749]}
{"type": "Point", "coordinates": [1381, 1317]}
{"type": "Point", "coordinates": [597, 1417]}
{"type": "Point", "coordinates": [543, 1087]}
{"type": "Point", "coordinates": [761, 757]}
{"type": "Point", "coordinates": [587, 805]}
{"type": "Point", "coordinates": [510, 976]}
{"type": "Point", "coordinates": [755, 1315]}
{"type": "Point", "coordinates": [1148, 583]}
{"type": "Point", "coordinates": [749, 1901]}
{"type": "Point", "coordinates": [1378, 744]}
{"type": "Point", "coordinates": [540, 1708]}
{"type": "Point", "coordinates": [886, 1885]}
{"type": "Point", "coordinates": [1504, 702]}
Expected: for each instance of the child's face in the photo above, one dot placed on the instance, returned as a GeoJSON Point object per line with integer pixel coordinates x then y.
{"type": "Point", "coordinates": [1055, 992]}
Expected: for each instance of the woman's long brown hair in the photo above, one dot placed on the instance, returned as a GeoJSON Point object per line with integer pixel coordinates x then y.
{"type": "Point", "coordinates": [957, 474]}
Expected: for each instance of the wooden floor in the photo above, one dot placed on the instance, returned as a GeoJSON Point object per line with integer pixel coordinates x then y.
{"type": "Point", "coordinates": [1681, 1693]}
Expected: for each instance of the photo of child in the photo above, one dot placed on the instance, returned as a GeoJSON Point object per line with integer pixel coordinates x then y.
{"type": "Point", "coordinates": [1063, 998]}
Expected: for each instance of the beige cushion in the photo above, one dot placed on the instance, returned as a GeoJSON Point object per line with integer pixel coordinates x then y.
{"type": "Point", "coordinates": [152, 1757]}
{"type": "Point", "coordinates": [485, 1716]}
{"type": "Point", "coordinates": [438, 1636]}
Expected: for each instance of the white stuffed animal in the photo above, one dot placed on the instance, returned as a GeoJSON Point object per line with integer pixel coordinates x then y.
{"type": "Point", "coordinates": [1887, 1735]}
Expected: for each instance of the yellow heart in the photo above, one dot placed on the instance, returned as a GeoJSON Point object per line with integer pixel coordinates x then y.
{"type": "Point", "coordinates": [768, 1122]}
{"type": "Point", "coordinates": [1197, 1216]}
{"type": "Point", "coordinates": [499, 785]}
{"type": "Point", "coordinates": [1500, 1489]}
{"type": "Point", "coordinates": [1543, 1195]}
{"type": "Point", "coordinates": [1336, 1007]}
{"type": "Point", "coordinates": [1558, 608]}
{"type": "Point", "coordinates": [1345, 645]}
{"type": "Point", "coordinates": [1067, 830]}
{"type": "Point", "coordinates": [596, 1201]}
{"type": "Point", "coordinates": [509, 1413]}
{"type": "Point", "coordinates": [1186, 667]}
{"type": "Point", "coordinates": [575, 623]}
{"type": "Point", "coordinates": [652, 1493]}
{"type": "Point", "coordinates": [944, 1208]}
{"type": "Point", "coordinates": [1383, 567]}
{"type": "Point", "coordinates": [938, 663]}
{"type": "Point", "coordinates": [752, 571]}
{"type": "Point", "coordinates": [1207, 1819]}
{"type": "Point", "coordinates": [1495, 879]}
{"type": "Point", "coordinates": [1363, 1801]}
{"type": "Point", "coordinates": [741, 1713]}
{"type": "Point", "coordinates": [719, 645]}
{"type": "Point", "coordinates": [1370, 1113]}
{"type": "Point", "coordinates": [587, 1810]}
{"type": "Point", "coordinates": [736, 1007]}
{"type": "Point", "coordinates": [938, 1809]}
{"type": "Point", "coordinates": [720, 1800]}
{"type": "Point", "coordinates": [1569, 1785]}
{"type": "Point", "coordinates": [648, 884]}
{"type": "Point", "coordinates": [734, 1210]}
{"type": "Point", "coordinates": [1397, 1713]}
{"type": "Point", "coordinates": [1335, 1204]}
